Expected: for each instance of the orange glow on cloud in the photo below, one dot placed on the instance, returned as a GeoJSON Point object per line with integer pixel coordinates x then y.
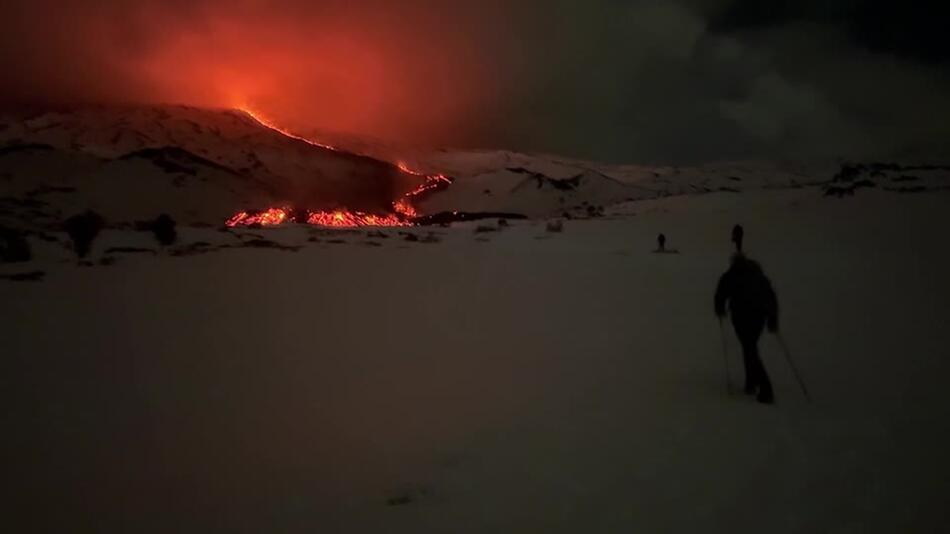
{"type": "Point", "coordinates": [413, 71]}
{"type": "Point", "coordinates": [343, 75]}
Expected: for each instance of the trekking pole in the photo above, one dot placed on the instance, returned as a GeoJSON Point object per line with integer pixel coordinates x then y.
{"type": "Point", "coordinates": [725, 357]}
{"type": "Point", "coordinates": [791, 363]}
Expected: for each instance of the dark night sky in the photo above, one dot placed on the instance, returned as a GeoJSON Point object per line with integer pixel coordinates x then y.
{"type": "Point", "coordinates": [632, 81]}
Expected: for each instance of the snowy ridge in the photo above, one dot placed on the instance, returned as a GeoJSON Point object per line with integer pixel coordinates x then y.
{"type": "Point", "coordinates": [186, 149]}
{"type": "Point", "coordinates": [204, 165]}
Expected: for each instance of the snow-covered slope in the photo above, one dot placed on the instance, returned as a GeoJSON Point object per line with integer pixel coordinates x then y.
{"type": "Point", "coordinates": [519, 190]}
{"type": "Point", "coordinates": [664, 180]}
{"type": "Point", "coordinates": [225, 148]}
{"type": "Point", "coordinates": [515, 381]}
{"type": "Point", "coordinates": [489, 180]}
{"type": "Point", "coordinates": [42, 185]}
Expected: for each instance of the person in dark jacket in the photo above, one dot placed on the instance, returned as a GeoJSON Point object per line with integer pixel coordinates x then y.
{"type": "Point", "coordinates": [738, 233]}
{"type": "Point", "coordinates": [753, 306]}
{"type": "Point", "coordinates": [13, 246]}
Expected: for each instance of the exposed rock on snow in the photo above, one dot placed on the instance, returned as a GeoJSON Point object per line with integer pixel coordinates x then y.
{"type": "Point", "coordinates": [892, 177]}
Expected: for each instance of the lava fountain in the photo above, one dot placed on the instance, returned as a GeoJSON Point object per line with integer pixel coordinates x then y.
{"type": "Point", "coordinates": [403, 210]}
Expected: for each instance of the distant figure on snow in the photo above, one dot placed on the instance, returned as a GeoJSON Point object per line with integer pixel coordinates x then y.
{"type": "Point", "coordinates": [83, 229]}
{"type": "Point", "coordinates": [737, 234]}
{"type": "Point", "coordinates": [661, 246]}
{"type": "Point", "coordinates": [13, 246]}
{"type": "Point", "coordinates": [164, 229]}
{"type": "Point", "coordinates": [753, 305]}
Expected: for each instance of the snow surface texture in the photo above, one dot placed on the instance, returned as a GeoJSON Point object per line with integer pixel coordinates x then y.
{"type": "Point", "coordinates": [510, 381]}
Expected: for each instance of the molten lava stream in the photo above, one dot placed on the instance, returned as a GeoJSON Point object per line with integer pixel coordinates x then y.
{"type": "Point", "coordinates": [350, 219]}
{"type": "Point", "coordinates": [269, 217]}
{"type": "Point", "coordinates": [335, 219]}
{"type": "Point", "coordinates": [403, 209]}
{"type": "Point", "coordinates": [286, 133]}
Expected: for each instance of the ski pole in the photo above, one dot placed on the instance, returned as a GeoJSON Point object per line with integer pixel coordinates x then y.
{"type": "Point", "coordinates": [725, 357]}
{"type": "Point", "coordinates": [791, 364]}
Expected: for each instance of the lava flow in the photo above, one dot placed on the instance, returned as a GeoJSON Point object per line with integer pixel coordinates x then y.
{"type": "Point", "coordinates": [403, 210]}
{"type": "Point", "coordinates": [353, 218]}
{"type": "Point", "coordinates": [339, 218]}
{"type": "Point", "coordinates": [269, 217]}
{"type": "Point", "coordinates": [286, 133]}
{"type": "Point", "coordinates": [403, 206]}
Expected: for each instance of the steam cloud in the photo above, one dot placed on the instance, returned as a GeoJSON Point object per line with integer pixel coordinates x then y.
{"type": "Point", "coordinates": [641, 80]}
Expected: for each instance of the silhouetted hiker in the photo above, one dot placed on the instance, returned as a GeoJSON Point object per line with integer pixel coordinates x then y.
{"type": "Point", "coordinates": [13, 246]}
{"type": "Point", "coordinates": [753, 305]}
{"type": "Point", "coordinates": [737, 234]}
{"type": "Point", "coordinates": [661, 241]}
{"type": "Point", "coordinates": [83, 229]}
{"type": "Point", "coordinates": [164, 229]}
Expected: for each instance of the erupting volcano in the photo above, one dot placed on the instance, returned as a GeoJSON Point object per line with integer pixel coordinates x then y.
{"type": "Point", "coordinates": [403, 212]}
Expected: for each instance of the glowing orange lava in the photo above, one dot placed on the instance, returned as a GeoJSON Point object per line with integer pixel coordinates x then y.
{"type": "Point", "coordinates": [270, 217]}
{"type": "Point", "coordinates": [286, 133]}
{"type": "Point", "coordinates": [403, 209]}
{"type": "Point", "coordinates": [403, 206]}
{"type": "Point", "coordinates": [405, 168]}
{"type": "Point", "coordinates": [350, 219]}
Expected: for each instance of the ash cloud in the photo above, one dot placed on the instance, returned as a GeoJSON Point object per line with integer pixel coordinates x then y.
{"type": "Point", "coordinates": [628, 81]}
